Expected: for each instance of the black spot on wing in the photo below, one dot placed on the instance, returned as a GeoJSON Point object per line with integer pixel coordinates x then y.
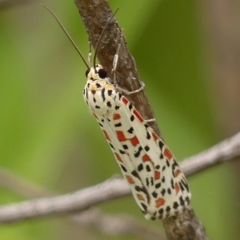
{"type": "Point", "coordinates": [140, 167]}
{"type": "Point", "coordinates": [123, 168]}
{"type": "Point", "coordinates": [125, 147]}
{"type": "Point", "coordinates": [103, 94]}
{"type": "Point", "coordinates": [160, 144]}
{"type": "Point", "coordinates": [109, 92]}
{"type": "Point", "coordinates": [135, 174]}
{"type": "Point", "coordinates": [146, 148]}
{"type": "Point", "coordinates": [118, 124]}
{"type": "Point", "coordinates": [130, 130]}
{"type": "Point", "coordinates": [137, 154]}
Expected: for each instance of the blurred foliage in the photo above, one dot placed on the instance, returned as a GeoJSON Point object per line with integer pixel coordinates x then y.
{"type": "Point", "coordinates": [48, 136]}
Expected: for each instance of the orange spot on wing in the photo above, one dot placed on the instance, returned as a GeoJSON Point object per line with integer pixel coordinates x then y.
{"type": "Point", "coordinates": [146, 158]}
{"type": "Point", "coordinates": [138, 115]}
{"type": "Point", "coordinates": [116, 116]}
{"type": "Point", "coordinates": [177, 172]}
{"type": "Point", "coordinates": [155, 136]}
{"type": "Point", "coordinates": [140, 197]}
{"type": "Point", "coordinates": [157, 175]}
{"type": "Point", "coordinates": [106, 135]}
{"type": "Point", "coordinates": [120, 135]}
{"type": "Point", "coordinates": [125, 100]}
{"type": "Point", "coordinates": [134, 141]}
{"type": "Point", "coordinates": [118, 157]}
{"type": "Point", "coordinates": [160, 202]}
{"type": "Point", "coordinates": [167, 154]}
{"type": "Point", "coordinates": [177, 188]}
{"type": "Point", "coordinates": [129, 179]}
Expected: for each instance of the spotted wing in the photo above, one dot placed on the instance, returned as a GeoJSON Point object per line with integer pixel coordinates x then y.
{"type": "Point", "coordinates": [161, 189]}
{"type": "Point", "coordinates": [157, 183]}
{"type": "Point", "coordinates": [123, 159]}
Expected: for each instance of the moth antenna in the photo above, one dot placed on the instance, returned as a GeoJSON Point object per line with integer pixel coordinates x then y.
{"type": "Point", "coordinates": [100, 38]}
{"type": "Point", "coordinates": [67, 34]}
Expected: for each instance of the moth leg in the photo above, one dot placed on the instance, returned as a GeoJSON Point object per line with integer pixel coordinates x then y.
{"type": "Point", "coordinates": [115, 62]}
{"type": "Point", "coordinates": [150, 120]}
{"type": "Point", "coordinates": [90, 52]}
{"type": "Point", "coordinates": [131, 92]}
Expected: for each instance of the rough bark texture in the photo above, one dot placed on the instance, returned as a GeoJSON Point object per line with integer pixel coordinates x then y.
{"type": "Point", "coordinates": [126, 75]}
{"type": "Point", "coordinates": [95, 14]}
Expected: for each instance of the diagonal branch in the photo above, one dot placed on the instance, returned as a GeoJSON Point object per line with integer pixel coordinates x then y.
{"type": "Point", "coordinates": [186, 225]}
{"type": "Point", "coordinates": [118, 225]}
{"type": "Point", "coordinates": [95, 15]}
{"type": "Point", "coordinates": [113, 188]}
{"type": "Point", "coordinates": [224, 151]}
{"type": "Point", "coordinates": [69, 203]}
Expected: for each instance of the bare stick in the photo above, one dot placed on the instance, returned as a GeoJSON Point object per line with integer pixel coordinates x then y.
{"type": "Point", "coordinates": [112, 188]}
{"type": "Point", "coordinates": [94, 15]}
{"type": "Point", "coordinates": [224, 151]}
{"type": "Point", "coordinates": [127, 75]}
{"type": "Point", "coordinates": [21, 186]}
{"type": "Point", "coordinates": [68, 203]}
{"type": "Point", "coordinates": [118, 225]}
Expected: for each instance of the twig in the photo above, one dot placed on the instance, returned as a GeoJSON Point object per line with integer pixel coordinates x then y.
{"type": "Point", "coordinates": [118, 225]}
{"type": "Point", "coordinates": [21, 186]}
{"type": "Point", "coordinates": [112, 188]}
{"type": "Point", "coordinates": [110, 224]}
{"type": "Point", "coordinates": [224, 151]}
{"type": "Point", "coordinates": [69, 203]}
{"type": "Point", "coordinates": [81, 200]}
{"type": "Point", "coordinates": [95, 14]}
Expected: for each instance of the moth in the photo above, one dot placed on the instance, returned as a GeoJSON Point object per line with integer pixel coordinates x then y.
{"type": "Point", "coordinates": [158, 185]}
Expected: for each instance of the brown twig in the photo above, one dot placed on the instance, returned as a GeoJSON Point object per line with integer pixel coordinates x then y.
{"type": "Point", "coordinates": [112, 188]}
{"type": "Point", "coordinates": [224, 151]}
{"type": "Point", "coordinates": [21, 186]}
{"type": "Point", "coordinates": [95, 14]}
{"type": "Point", "coordinates": [220, 153]}
{"type": "Point", "coordinates": [69, 203]}
{"type": "Point", "coordinates": [81, 200]}
{"type": "Point", "coordinates": [118, 225]}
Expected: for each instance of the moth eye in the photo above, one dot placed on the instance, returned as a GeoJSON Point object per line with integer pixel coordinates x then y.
{"type": "Point", "coordinates": [102, 73]}
{"type": "Point", "coordinates": [87, 72]}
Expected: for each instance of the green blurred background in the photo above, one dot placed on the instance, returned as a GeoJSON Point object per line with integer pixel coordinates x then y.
{"type": "Point", "coordinates": [48, 136]}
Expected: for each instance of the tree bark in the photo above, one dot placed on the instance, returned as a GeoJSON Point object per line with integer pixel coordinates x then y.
{"type": "Point", "coordinates": [95, 14]}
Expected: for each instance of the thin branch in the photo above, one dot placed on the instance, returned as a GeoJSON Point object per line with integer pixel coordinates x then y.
{"type": "Point", "coordinates": [22, 186]}
{"type": "Point", "coordinates": [95, 14]}
{"type": "Point", "coordinates": [186, 225]}
{"type": "Point", "coordinates": [69, 203]}
{"type": "Point", "coordinates": [224, 151]}
{"type": "Point", "coordinates": [112, 188]}
{"type": "Point", "coordinates": [118, 225]}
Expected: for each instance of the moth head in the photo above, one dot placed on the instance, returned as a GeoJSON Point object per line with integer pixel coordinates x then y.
{"type": "Point", "coordinates": [96, 73]}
